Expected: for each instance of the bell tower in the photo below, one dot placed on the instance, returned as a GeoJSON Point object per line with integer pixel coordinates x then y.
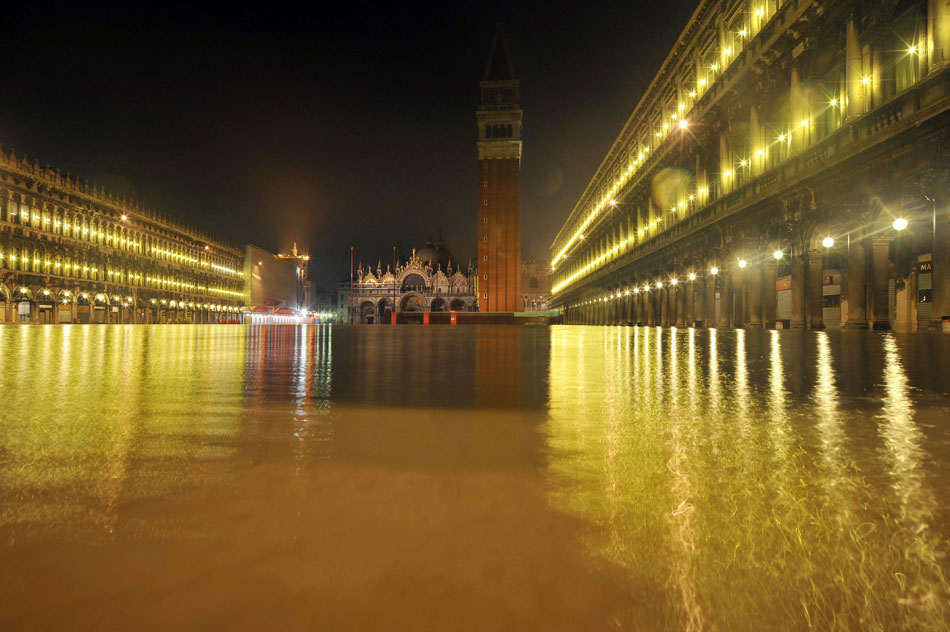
{"type": "Point", "coordinates": [499, 184]}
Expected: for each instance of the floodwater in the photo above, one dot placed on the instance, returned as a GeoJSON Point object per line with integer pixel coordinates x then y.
{"type": "Point", "coordinates": [472, 478]}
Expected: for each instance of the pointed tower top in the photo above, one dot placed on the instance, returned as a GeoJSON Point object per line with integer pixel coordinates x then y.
{"type": "Point", "coordinates": [499, 66]}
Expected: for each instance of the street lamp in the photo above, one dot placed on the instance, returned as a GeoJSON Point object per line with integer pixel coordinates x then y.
{"type": "Point", "coordinates": [827, 242]}
{"type": "Point", "coordinates": [778, 254]}
{"type": "Point", "coordinates": [714, 270]}
{"type": "Point", "coordinates": [743, 263]}
{"type": "Point", "coordinates": [899, 224]}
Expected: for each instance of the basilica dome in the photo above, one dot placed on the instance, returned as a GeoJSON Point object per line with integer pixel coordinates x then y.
{"type": "Point", "coordinates": [436, 255]}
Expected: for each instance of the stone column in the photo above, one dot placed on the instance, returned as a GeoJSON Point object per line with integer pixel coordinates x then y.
{"type": "Point", "coordinates": [755, 296]}
{"type": "Point", "coordinates": [710, 300]}
{"type": "Point", "coordinates": [857, 291]}
{"type": "Point", "coordinates": [690, 289]}
{"type": "Point", "coordinates": [651, 307]}
{"type": "Point", "coordinates": [798, 291]}
{"type": "Point", "coordinates": [664, 307]}
{"type": "Point", "coordinates": [814, 294]}
{"type": "Point", "coordinates": [698, 289]}
{"type": "Point", "coordinates": [769, 298]}
{"type": "Point", "coordinates": [854, 71]}
{"type": "Point", "coordinates": [726, 302]}
{"type": "Point", "coordinates": [880, 262]}
{"type": "Point", "coordinates": [941, 253]}
{"type": "Point", "coordinates": [680, 295]}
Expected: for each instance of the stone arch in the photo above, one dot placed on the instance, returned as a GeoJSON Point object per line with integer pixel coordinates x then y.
{"type": "Point", "coordinates": [367, 313]}
{"type": "Point", "coordinates": [412, 302]}
{"type": "Point", "coordinates": [458, 305]}
{"type": "Point", "coordinates": [437, 305]}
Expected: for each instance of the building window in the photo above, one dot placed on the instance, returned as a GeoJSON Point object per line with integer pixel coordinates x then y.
{"type": "Point", "coordinates": [484, 220]}
{"type": "Point", "coordinates": [485, 276]}
{"type": "Point", "coordinates": [485, 202]}
{"type": "Point", "coordinates": [485, 295]}
{"type": "Point", "coordinates": [533, 283]}
{"type": "Point", "coordinates": [485, 239]}
{"type": "Point", "coordinates": [485, 258]}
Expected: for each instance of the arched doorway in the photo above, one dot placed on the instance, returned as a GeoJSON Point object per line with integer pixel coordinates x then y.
{"type": "Point", "coordinates": [458, 305]}
{"type": "Point", "coordinates": [412, 303]}
{"type": "Point", "coordinates": [438, 305]}
{"type": "Point", "coordinates": [367, 313]}
{"type": "Point", "coordinates": [384, 310]}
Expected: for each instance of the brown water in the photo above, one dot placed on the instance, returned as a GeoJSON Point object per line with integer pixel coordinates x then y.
{"type": "Point", "coordinates": [565, 478]}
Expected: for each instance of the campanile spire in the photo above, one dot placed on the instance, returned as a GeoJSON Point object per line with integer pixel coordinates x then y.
{"type": "Point", "coordinates": [499, 183]}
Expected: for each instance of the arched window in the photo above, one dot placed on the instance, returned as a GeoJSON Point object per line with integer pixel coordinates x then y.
{"type": "Point", "coordinates": [488, 131]}
{"type": "Point", "coordinates": [533, 283]}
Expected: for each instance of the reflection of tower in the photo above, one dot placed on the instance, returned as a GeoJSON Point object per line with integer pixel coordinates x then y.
{"type": "Point", "coordinates": [499, 185]}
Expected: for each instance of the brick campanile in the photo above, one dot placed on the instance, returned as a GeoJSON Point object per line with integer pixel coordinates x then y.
{"type": "Point", "coordinates": [499, 185]}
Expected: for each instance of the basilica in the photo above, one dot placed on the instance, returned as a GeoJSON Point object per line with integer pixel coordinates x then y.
{"type": "Point", "coordinates": [428, 281]}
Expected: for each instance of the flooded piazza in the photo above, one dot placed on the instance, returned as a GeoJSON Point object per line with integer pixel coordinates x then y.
{"type": "Point", "coordinates": [473, 478]}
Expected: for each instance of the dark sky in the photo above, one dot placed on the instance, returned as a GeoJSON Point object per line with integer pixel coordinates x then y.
{"type": "Point", "coordinates": [327, 126]}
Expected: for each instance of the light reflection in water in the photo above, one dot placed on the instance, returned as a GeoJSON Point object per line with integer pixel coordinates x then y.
{"type": "Point", "coordinates": [777, 513]}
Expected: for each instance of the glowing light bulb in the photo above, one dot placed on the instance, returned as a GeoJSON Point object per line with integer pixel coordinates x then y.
{"type": "Point", "coordinates": [827, 242]}
{"type": "Point", "coordinates": [865, 80]}
{"type": "Point", "coordinates": [781, 137]}
{"type": "Point", "coordinates": [743, 263]}
{"type": "Point", "coordinates": [659, 284]}
{"type": "Point", "coordinates": [674, 282]}
{"type": "Point", "coordinates": [714, 270]}
{"type": "Point", "coordinates": [683, 124]}
{"type": "Point", "coordinates": [778, 254]}
{"type": "Point", "coordinates": [912, 50]}
{"type": "Point", "coordinates": [743, 162]}
{"type": "Point", "coordinates": [692, 94]}
{"type": "Point", "coordinates": [702, 191]}
{"type": "Point", "coordinates": [692, 276]}
{"type": "Point", "coordinates": [804, 123]}
{"type": "Point", "coordinates": [834, 102]}
{"type": "Point", "coordinates": [900, 223]}
{"type": "Point", "coordinates": [728, 174]}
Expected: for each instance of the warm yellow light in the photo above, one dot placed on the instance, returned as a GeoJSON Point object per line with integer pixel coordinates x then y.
{"type": "Point", "coordinates": [659, 284]}
{"type": "Point", "coordinates": [834, 102]}
{"type": "Point", "coordinates": [728, 51]}
{"type": "Point", "coordinates": [912, 50]}
{"type": "Point", "coordinates": [714, 67]}
{"type": "Point", "coordinates": [692, 276]}
{"type": "Point", "coordinates": [781, 137]}
{"type": "Point", "coordinates": [692, 94]}
{"type": "Point", "coordinates": [684, 124]}
{"type": "Point", "coordinates": [743, 162]}
{"type": "Point", "coordinates": [691, 198]}
{"type": "Point", "coordinates": [682, 106]}
{"type": "Point", "coordinates": [581, 237]}
{"type": "Point", "coordinates": [742, 33]}
{"type": "Point", "coordinates": [613, 202]}
{"type": "Point", "coordinates": [702, 191]}
{"type": "Point", "coordinates": [728, 174]}
{"type": "Point", "coordinates": [743, 263]}
{"type": "Point", "coordinates": [674, 282]}
{"type": "Point", "coordinates": [900, 223]}
{"type": "Point", "coordinates": [125, 218]}
{"type": "Point", "coordinates": [760, 152]}
{"type": "Point", "coordinates": [702, 82]}
{"type": "Point", "coordinates": [636, 290]}
{"type": "Point", "coordinates": [778, 254]}
{"type": "Point", "coordinates": [865, 80]}
{"type": "Point", "coordinates": [804, 123]}
{"type": "Point", "coordinates": [827, 242]}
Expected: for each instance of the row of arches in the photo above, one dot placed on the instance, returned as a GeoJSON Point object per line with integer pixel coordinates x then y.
{"type": "Point", "coordinates": [60, 305]}
{"type": "Point", "coordinates": [371, 312]}
{"type": "Point", "coordinates": [499, 131]}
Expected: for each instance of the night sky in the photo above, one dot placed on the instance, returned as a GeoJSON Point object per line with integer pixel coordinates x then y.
{"type": "Point", "coordinates": [341, 125]}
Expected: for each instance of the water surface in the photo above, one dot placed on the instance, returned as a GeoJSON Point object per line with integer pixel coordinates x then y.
{"type": "Point", "coordinates": [472, 478]}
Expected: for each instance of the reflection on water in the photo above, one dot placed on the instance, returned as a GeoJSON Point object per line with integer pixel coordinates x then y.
{"type": "Point", "coordinates": [757, 506]}
{"type": "Point", "coordinates": [390, 477]}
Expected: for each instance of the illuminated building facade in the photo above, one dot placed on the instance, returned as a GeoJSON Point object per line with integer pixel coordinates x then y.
{"type": "Point", "coordinates": [499, 185]}
{"type": "Point", "coordinates": [72, 252]}
{"type": "Point", "coordinates": [783, 148]}
{"type": "Point", "coordinates": [427, 282]}
{"type": "Point", "coordinates": [535, 286]}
